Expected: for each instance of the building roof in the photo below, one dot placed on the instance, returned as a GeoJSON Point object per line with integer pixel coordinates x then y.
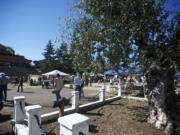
{"type": "Point", "coordinates": [16, 59]}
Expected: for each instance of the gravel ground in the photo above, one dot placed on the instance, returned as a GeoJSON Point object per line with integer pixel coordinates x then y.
{"type": "Point", "coordinates": [122, 117]}
{"type": "Point", "coordinates": [36, 95]}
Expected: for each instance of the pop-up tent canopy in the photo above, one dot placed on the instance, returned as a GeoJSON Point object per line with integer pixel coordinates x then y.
{"type": "Point", "coordinates": [110, 72]}
{"type": "Point", "coordinates": [122, 72]}
{"type": "Point", "coordinates": [95, 74]}
{"type": "Point", "coordinates": [55, 72]}
{"type": "Point", "coordinates": [177, 74]}
{"type": "Point", "coordinates": [133, 72]}
{"type": "Point", "coordinates": [99, 74]}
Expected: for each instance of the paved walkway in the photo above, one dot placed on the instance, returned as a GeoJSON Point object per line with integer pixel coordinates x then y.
{"type": "Point", "coordinates": [38, 95]}
{"type": "Point", "coordinates": [43, 97]}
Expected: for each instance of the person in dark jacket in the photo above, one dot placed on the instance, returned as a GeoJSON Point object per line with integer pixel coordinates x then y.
{"type": "Point", "coordinates": [20, 84]}
{"type": "Point", "coordinates": [3, 81]}
{"type": "Point", "coordinates": [3, 86]}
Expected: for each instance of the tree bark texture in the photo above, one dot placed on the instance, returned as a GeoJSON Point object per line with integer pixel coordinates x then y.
{"type": "Point", "coordinates": [161, 99]}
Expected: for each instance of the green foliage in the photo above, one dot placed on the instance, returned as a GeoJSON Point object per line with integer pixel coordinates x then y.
{"type": "Point", "coordinates": [119, 25]}
{"type": "Point", "coordinates": [82, 47]}
{"type": "Point", "coordinates": [178, 130]}
{"type": "Point", "coordinates": [63, 59]}
{"type": "Point", "coordinates": [59, 59]}
{"type": "Point", "coordinates": [99, 64]}
{"type": "Point", "coordinates": [5, 50]}
{"type": "Point", "coordinates": [46, 66]}
{"type": "Point", "coordinates": [122, 32]}
{"type": "Point", "coordinates": [49, 55]}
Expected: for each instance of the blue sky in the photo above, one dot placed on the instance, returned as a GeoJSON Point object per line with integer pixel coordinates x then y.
{"type": "Point", "coordinates": [28, 25]}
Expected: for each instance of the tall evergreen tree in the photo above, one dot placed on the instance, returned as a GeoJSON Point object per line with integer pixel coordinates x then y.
{"type": "Point", "coordinates": [49, 57]}
{"type": "Point", "coordinates": [63, 58]}
{"type": "Point", "coordinates": [49, 53]}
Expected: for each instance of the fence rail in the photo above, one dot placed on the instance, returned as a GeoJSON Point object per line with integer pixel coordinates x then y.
{"type": "Point", "coordinates": [34, 123]}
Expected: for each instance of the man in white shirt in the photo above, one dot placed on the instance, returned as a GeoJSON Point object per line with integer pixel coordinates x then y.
{"type": "Point", "coordinates": [77, 83]}
{"type": "Point", "coordinates": [111, 82]}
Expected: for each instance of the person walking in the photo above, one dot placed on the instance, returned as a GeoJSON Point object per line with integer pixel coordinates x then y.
{"type": "Point", "coordinates": [111, 82]}
{"type": "Point", "coordinates": [16, 81]}
{"type": "Point", "coordinates": [3, 87]}
{"type": "Point", "coordinates": [58, 85]}
{"type": "Point", "coordinates": [82, 91]}
{"type": "Point", "coordinates": [20, 84]}
{"type": "Point", "coordinates": [1, 91]}
{"type": "Point", "coordinates": [77, 83]}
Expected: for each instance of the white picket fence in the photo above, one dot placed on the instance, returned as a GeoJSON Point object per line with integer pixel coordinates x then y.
{"type": "Point", "coordinates": [27, 120]}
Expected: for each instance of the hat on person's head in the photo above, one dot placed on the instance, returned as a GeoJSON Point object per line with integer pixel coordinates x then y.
{"type": "Point", "coordinates": [1, 74]}
{"type": "Point", "coordinates": [58, 75]}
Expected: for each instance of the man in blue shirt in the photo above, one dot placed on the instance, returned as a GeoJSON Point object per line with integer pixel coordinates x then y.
{"type": "Point", "coordinates": [3, 86]}
{"type": "Point", "coordinates": [77, 83]}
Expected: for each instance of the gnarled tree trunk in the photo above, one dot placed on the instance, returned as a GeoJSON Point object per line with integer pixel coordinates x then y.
{"type": "Point", "coordinates": [161, 99]}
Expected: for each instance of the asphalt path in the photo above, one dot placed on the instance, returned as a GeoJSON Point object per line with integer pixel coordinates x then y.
{"type": "Point", "coordinates": [38, 96]}
{"type": "Point", "coordinates": [44, 97]}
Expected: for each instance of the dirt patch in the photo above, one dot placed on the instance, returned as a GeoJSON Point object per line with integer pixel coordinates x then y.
{"type": "Point", "coordinates": [122, 117]}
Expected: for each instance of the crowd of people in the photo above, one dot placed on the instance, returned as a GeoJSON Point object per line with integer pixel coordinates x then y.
{"type": "Point", "coordinates": [54, 83]}
{"type": "Point", "coordinates": [79, 83]}
{"type": "Point", "coordinates": [59, 84]}
{"type": "Point", "coordinates": [4, 80]}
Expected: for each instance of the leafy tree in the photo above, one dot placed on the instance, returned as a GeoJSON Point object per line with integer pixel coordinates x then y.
{"type": "Point", "coordinates": [120, 26]}
{"type": "Point", "coordinates": [99, 65]}
{"type": "Point", "coordinates": [82, 49]}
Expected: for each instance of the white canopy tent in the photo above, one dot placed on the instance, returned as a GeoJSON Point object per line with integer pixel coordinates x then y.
{"type": "Point", "coordinates": [55, 72]}
{"type": "Point", "coordinates": [96, 74]}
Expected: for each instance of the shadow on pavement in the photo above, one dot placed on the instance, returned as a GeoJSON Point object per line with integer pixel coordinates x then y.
{"type": "Point", "coordinates": [5, 117]}
{"type": "Point", "coordinates": [116, 104]}
{"type": "Point", "coordinates": [93, 129]}
{"type": "Point", "coordinates": [89, 98]}
{"type": "Point", "coordinates": [28, 92]}
{"type": "Point", "coordinates": [9, 103]}
{"type": "Point", "coordinates": [93, 114]}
